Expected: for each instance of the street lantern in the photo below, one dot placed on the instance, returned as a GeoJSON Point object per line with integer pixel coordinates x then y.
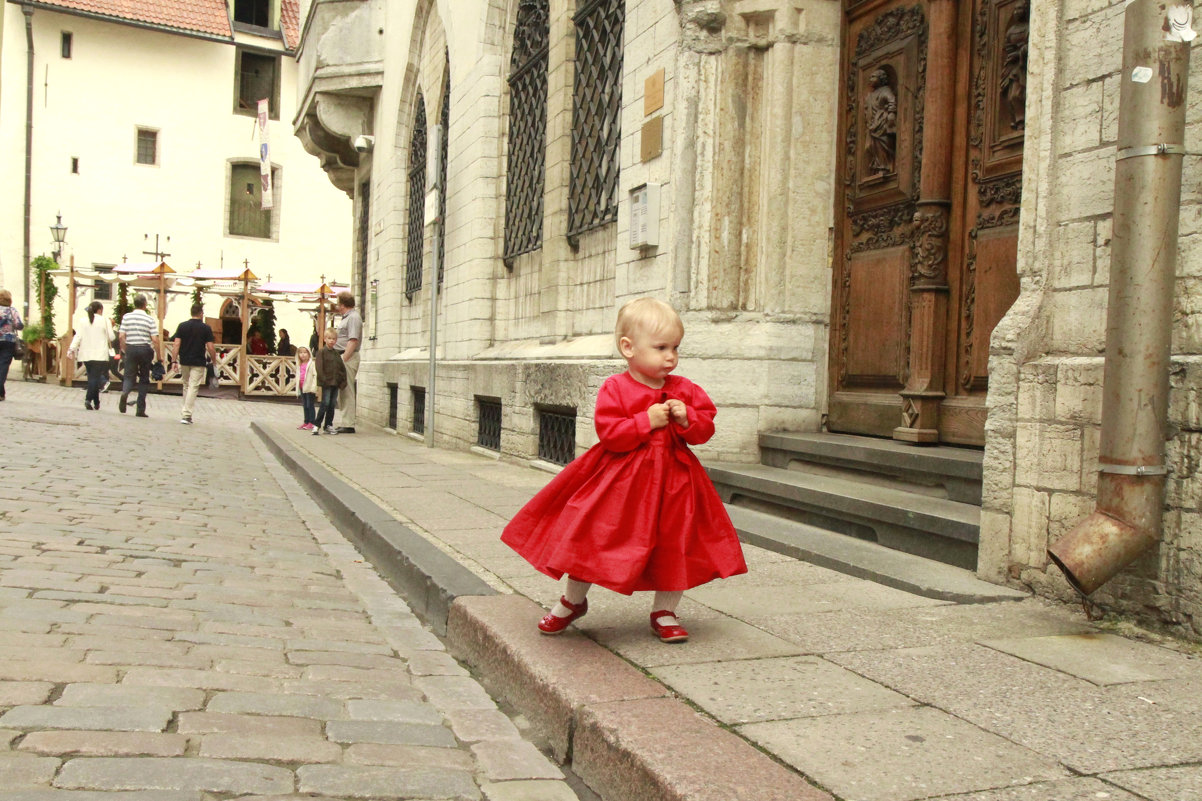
{"type": "Point", "coordinates": [59, 232]}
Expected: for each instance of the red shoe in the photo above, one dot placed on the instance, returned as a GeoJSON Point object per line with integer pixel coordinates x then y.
{"type": "Point", "coordinates": [669, 633]}
{"type": "Point", "coordinates": [554, 624]}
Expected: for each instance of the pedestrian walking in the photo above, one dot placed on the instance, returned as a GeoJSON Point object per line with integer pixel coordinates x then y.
{"type": "Point", "coordinates": [637, 511]}
{"type": "Point", "coordinates": [331, 377]}
{"type": "Point", "coordinates": [306, 386]}
{"type": "Point", "coordinates": [350, 334]}
{"type": "Point", "coordinates": [139, 341]}
{"type": "Point", "coordinates": [10, 324]}
{"type": "Point", "coordinates": [93, 345]}
{"type": "Point", "coordinates": [193, 341]}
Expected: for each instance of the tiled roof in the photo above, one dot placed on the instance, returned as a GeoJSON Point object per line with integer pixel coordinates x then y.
{"type": "Point", "coordinates": [207, 17]}
{"type": "Point", "coordinates": [290, 22]}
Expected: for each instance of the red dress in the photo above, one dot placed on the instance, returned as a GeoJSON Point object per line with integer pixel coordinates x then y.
{"type": "Point", "coordinates": [637, 511]}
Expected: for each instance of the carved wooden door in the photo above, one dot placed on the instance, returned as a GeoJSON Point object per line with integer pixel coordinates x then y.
{"type": "Point", "coordinates": [926, 214]}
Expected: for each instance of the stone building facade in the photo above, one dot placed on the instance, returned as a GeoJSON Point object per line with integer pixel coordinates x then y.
{"type": "Point", "coordinates": [742, 116]}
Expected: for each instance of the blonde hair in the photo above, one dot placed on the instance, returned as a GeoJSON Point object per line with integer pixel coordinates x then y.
{"type": "Point", "coordinates": [650, 315]}
{"type": "Point", "coordinates": [306, 350]}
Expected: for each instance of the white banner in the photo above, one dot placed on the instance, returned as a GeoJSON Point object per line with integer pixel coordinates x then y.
{"type": "Point", "coordinates": [264, 156]}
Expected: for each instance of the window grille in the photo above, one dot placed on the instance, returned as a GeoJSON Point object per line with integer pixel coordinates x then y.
{"type": "Point", "coordinates": [556, 434]}
{"type": "Point", "coordinates": [417, 201]}
{"type": "Point", "coordinates": [418, 394]}
{"type": "Point", "coordinates": [525, 176]}
{"type": "Point", "coordinates": [488, 431]}
{"type": "Point", "coordinates": [364, 234]}
{"type": "Point", "coordinates": [393, 399]}
{"type": "Point", "coordinates": [148, 146]}
{"type": "Point", "coordinates": [102, 290]}
{"type": "Point", "coordinates": [247, 215]}
{"type": "Point", "coordinates": [444, 115]}
{"type": "Point", "coordinates": [596, 117]}
{"type": "Point", "coordinates": [257, 78]}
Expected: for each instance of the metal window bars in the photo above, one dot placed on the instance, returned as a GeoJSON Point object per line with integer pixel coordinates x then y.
{"type": "Point", "coordinates": [417, 202]}
{"type": "Point", "coordinates": [444, 115]}
{"type": "Point", "coordinates": [418, 395]}
{"type": "Point", "coordinates": [556, 434]}
{"type": "Point", "coordinates": [596, 117]}
{"type": "Point", "coordinates": [488, 429]}
{"type": "Point", "coordinates": [525, 173]}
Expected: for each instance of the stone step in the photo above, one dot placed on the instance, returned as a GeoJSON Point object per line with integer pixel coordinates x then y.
{"type": "Point", "coordinates": [867, 560]}
{"type": "Point", "coordinates": [931, 527]}
{"type": "Point", "coordinates": [939, 471]}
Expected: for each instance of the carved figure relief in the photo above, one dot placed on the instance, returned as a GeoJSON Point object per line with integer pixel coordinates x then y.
{"type": "Point", "coordinates": [929, 258]}
{"type": "Point", "coordinates": [880, 122]}
{"type": "Point", "coordinates": [1014, 67]}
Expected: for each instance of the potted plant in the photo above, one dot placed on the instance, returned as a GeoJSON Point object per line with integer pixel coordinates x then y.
{"type": "Point", "coordinates": [31, 335]}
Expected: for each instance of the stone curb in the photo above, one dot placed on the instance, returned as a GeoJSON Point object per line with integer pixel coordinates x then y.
{"type": "Point", "coordinates": [622, 732]}
{"type": "Point", "coordinates": [426, 577]}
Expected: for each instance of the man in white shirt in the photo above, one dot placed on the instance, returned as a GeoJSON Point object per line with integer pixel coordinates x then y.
{"type": "Point", "coordinates": [350, 334]}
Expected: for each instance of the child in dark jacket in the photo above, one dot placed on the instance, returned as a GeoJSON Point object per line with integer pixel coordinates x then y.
{"type": "Point", "coordinates": [331, 376]}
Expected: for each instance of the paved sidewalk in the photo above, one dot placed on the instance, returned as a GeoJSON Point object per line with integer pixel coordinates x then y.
{"type": "Point", "coordinates": [868, 692]}
{"type": "Point", "coordinates": [179, 621]}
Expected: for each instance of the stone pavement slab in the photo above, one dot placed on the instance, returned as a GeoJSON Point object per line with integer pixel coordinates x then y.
{"type": "Point", "coordinates": [1183, 783]}
{"type": "Point", "coordinates": [1098, 658]}
{"type": "Point", "coordinates": [785, 687]}
{"type": "Point", "coordinates": [900, 754]}
{"type": "Point", "coordinates": [1085, 727]}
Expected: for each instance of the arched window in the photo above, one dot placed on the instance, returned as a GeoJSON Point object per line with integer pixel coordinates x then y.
{"type": "Point", "coordinates": [596, 116]}
{"type": "Point", "coordinates": [526, 168]}
{"type": "Point", "coordinates": [444, 117]}
{"type": "Point", "coordinates": [417, 201]}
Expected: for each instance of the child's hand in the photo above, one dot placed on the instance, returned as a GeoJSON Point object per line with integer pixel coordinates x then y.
{"type": "Point", "coordinates": [679, 412]}
{"type": "Point", "coordinates": [658, 413]}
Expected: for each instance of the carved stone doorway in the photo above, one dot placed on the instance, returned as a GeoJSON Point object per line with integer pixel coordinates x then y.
{"type": "Point", "coordinates": [926, 222]}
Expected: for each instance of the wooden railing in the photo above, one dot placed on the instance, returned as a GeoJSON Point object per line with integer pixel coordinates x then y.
{"type": "Point", "coordinates": [266, 376]}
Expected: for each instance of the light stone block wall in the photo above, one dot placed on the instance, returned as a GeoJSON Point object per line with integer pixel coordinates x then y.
{"type": "Point", "coordinates": [552, 314]}
{"type": "Point", "coordinates": [1047, 365]}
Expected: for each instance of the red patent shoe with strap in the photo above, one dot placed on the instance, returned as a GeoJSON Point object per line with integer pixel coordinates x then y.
{"type": "Point", "coordinates": [673, 632]}
{"type": "Point", "coordinates": [554, 624]}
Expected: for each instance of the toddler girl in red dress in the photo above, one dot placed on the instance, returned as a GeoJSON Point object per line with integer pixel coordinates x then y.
{"type": "Point", "coordinates": [637, 510]}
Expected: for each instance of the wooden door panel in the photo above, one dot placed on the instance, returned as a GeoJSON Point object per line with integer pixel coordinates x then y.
{"type": "Point", "coordinates": [993, 288]}
{"type": "Point", "coordinates": [874, 349]}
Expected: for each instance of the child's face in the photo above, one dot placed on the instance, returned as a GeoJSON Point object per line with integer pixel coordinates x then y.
{"type": "Point", "coordinates": [330, 339]}
{"type": "Point", "coordinates": [651, 356]}
{"type": "Point", "coordinates": [303, 355]}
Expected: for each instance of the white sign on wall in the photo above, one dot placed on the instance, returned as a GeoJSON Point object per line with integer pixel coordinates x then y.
{"type": "Point", "coordinates": [644, 216]}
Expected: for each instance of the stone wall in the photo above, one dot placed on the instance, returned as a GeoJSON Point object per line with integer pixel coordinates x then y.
{"type": "Point", "coordinates": [755, 314]}
{"type": "Point", "coordinates": [1047, 362]}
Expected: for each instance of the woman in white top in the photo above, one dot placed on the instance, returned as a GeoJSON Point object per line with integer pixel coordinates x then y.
{"type": "Point", "coordinates": [92, 346]}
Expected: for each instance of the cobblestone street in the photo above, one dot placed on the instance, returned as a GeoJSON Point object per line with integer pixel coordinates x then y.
{"type": "Point", "coordinates": [180, 622]}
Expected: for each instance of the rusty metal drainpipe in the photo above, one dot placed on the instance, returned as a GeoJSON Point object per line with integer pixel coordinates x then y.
{"type": "Point", "coordinates": [1139, 315]}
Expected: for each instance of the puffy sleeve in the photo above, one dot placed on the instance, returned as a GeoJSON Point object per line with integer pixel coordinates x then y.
{"type": "Point", "coordinates": [701, 416]}
{"type": "Point", "coordinates": [619, 428]}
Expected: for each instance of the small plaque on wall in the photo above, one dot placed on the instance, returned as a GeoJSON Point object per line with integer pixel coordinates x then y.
{"type": "Point", "coordinates": [644, 216]}
{"type": "Point", "coordinates": [653, 93]}
{"type": "Point", "coordinates": [651, 142]}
